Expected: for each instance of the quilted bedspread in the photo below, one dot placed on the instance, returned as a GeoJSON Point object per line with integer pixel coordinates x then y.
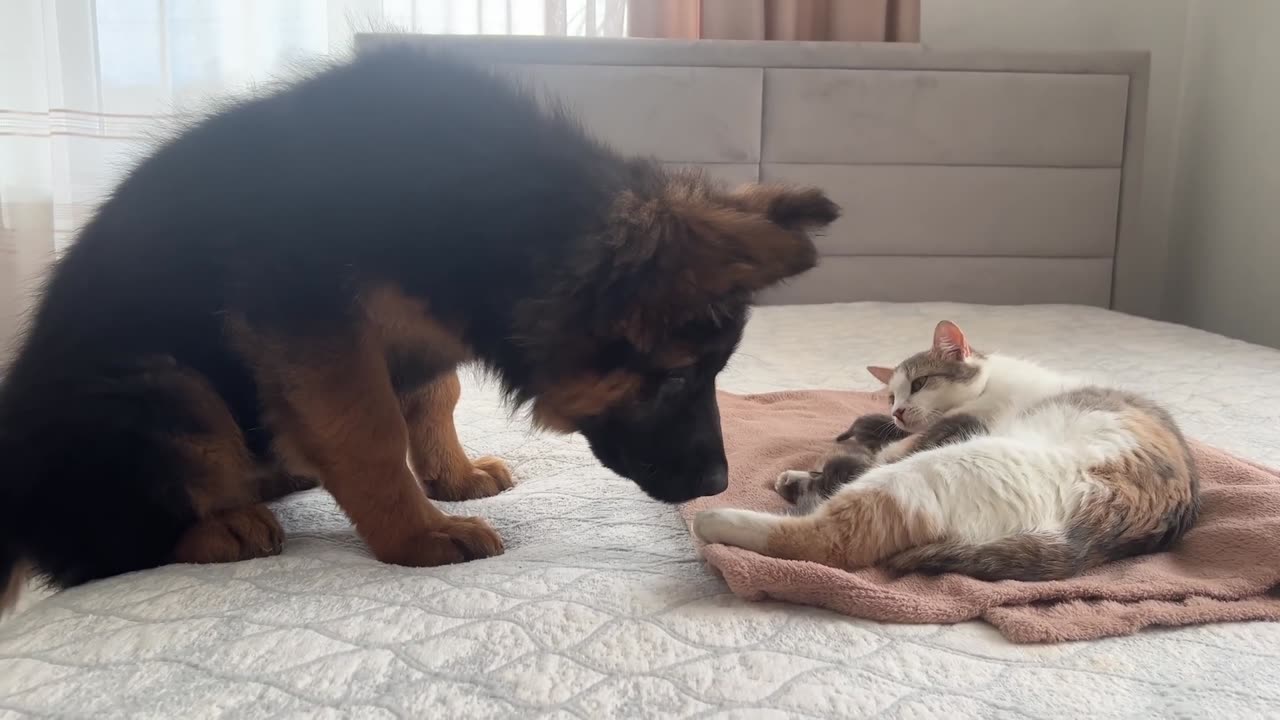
{"type": "Point", "coordinates": [601, 607]}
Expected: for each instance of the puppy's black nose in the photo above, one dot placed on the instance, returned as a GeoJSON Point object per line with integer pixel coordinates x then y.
{"type": "Point", "coordinates": [713, 482]}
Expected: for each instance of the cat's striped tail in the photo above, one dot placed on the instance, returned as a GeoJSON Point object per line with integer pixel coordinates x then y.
{"type": "Point", "coordinates": [1026, 556]}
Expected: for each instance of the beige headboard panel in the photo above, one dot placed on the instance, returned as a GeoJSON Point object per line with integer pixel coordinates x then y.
{"type": "Point", "coordinates": [988, 177]}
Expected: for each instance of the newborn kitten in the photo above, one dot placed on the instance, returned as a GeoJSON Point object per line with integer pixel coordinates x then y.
{"type": "Point", "coordinates": [990, 466]}
{"type": "Point", "coordinates": [877, 440]}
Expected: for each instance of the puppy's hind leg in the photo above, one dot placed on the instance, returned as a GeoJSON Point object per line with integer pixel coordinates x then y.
{"type": "Point", "coordinates": [224, 483]}
{"type": "Point", "coordinates": [140, 466]}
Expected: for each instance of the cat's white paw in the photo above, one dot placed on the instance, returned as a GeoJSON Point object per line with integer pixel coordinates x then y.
{"type": "Point", "coordinates": [788, 478]}
{"type": "Point", "coordinates": [895, 451]}
{"type": "Point", "coordinates": [741, 528]}
{"type": "Point", "coordinates": [793, 485]}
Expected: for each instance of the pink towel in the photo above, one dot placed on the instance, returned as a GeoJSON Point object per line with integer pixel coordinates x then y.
{"type": "Point", "coordinates": [1224, 569]}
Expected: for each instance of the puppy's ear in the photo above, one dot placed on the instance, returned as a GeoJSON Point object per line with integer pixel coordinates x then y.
{"type": "Point", "coordinates": [696, 242]}
{"type": "Point", "coordinates": [680, 252]}
{"type": "Point", "coordinates": [728, 250]}
{"type": "Point", "coordinates": [792, 208]}
{"type": "Point", "coordinates": [755, 236]}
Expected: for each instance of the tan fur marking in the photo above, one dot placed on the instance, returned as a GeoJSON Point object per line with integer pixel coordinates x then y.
{"type": "Point", "coordinates": [701, 245]}
{"type": "Point", "coordinates": [226, 476]}
{"type": "Point", "coordinates": [1145, 486]}
{"type": "Point", "coordinates": [275, 483]}
{"type": "Point", "coordinates": [854, 529]}
{"type": "Point", "coordinates": [757, 198]}
{"type": "Point", "coordinates": [674, 357]}
{"type": "Point", "coordinates": [740, 251]}
{"type": "Point", "coordinates": [796, 207]}
{"type": "Point", "coordinates": [14, 585]}
{"type": "Point", "coordinates": [562, 406]}
{"type": "Point", "coordinates": [435, 453]}
{"type": "Point", "coordinates": [333, 408]}
{"type": "Point", "coordinates": [291, 457]}
{"type": "Point", "coordinates": [240, 533]}
{"type": "Point", "coordinates": [404, 322]}
{"type": "Point", "coordinates": [1153, 435]}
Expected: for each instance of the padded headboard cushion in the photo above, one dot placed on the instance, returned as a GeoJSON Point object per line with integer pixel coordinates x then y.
{"type": "Point", "coordinates": [974, 177]}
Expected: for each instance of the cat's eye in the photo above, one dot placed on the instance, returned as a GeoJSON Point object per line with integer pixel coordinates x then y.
{"type": "Point", "coordinates": [918, 384]}
{"type": "Point", "coordinates": [891, 398]}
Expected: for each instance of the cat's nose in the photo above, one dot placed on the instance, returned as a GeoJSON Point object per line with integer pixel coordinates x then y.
{"type": "Point", "coordinates": [899, 413]}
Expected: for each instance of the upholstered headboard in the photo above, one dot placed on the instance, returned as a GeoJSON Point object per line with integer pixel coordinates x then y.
{"type": "Point", "coordinates": [988, 177]}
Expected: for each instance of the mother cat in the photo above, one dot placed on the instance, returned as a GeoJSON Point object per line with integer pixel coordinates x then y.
{"type": "Point", "coordinates": [1015, 472]}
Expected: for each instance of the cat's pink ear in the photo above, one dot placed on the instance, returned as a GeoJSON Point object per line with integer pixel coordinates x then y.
{"type": "Point", "coordinates": [949, 342]}
{"type": "Point", "coordinates": [883, 374]}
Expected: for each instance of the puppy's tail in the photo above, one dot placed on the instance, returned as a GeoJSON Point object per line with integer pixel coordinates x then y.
{"type": "Point", "coordinates": [13, 577]}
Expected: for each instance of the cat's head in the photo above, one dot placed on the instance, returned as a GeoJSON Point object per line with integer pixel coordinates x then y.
{"type": "Point", "coordinates": [933, 382]}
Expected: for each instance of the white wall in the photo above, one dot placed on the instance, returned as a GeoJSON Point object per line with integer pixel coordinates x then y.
{"type": "Point", "coordinates": [1155, 25]}
{"type": "Point", "coordinates": [1211, 180]}
{"type": "Point", "coordinates": [1225, 246]}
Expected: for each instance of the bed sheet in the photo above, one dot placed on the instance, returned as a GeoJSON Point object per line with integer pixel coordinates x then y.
{"type": "Point", "coordinates": [601, 607]}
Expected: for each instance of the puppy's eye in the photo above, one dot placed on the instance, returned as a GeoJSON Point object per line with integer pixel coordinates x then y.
{"type": "Point", "coordinates": [918, 384]}
{"type": "Point", "coordinates": [672, 385]}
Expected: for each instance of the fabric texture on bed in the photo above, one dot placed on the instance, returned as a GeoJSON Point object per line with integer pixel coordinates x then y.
{"type": "Point", "coordinates": [601, 607]}
{"type": "Point", "coordinates": [1222, 570]}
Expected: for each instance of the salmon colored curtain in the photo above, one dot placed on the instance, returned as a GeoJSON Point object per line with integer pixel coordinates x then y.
{"type": "Point", "coordinates": [848, 20]}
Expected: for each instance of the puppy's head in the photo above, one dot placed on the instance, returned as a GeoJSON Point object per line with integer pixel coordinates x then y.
{"type": "Point", "coordinates": [659, 302]}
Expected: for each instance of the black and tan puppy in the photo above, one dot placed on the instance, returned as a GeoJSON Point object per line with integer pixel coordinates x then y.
{"type": "Point", "coordinates": [280, 296]}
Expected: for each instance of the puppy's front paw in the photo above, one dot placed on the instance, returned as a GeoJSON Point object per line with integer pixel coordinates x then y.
{"type": "Point", "coordinates": [458, 539]}
{"type": "Point", "coordinates": [487, 477]}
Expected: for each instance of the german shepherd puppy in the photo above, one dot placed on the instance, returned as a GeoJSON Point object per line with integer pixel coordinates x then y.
{"type": "Point", "coordinates": [279, 297]}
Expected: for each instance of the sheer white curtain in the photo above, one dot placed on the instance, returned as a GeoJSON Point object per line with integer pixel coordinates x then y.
{"type": "Point", "coordinates": [86, 84]}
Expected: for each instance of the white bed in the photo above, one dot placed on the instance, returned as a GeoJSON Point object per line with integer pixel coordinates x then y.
{"type": "Point", "coordinates": [601, 608]}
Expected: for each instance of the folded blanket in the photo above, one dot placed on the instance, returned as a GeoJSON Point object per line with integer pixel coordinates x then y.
{"type": "Point", "coordinates": [1225, 569]}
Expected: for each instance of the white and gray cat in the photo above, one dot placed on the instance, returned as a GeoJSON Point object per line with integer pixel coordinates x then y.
{"type": "Point", "coordinates": [990, 466]}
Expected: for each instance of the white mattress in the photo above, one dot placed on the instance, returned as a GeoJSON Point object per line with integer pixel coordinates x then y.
{"type": "Point", "coordinates": [600, 607]}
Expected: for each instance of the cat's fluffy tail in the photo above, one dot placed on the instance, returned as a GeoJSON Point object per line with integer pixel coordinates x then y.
{"type": "Point", "coordinates": [1027, 557]}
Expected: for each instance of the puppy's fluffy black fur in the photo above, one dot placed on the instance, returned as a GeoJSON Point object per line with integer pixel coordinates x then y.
{"type": "Point", "coordinates": [551, 255]}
